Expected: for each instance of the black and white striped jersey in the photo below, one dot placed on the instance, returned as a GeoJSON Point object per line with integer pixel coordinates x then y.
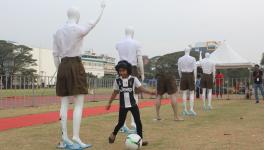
{"type": "Point", "coordinates": [126, 88]}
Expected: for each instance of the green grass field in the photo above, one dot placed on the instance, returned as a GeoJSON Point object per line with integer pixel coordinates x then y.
{"type": "Point", "coordinates": [232, 125]}
{"type": "Point", "coordinates": [43, 92]}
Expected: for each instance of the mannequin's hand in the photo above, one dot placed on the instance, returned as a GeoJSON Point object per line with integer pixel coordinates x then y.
{"type": "Point", "coordinates": [142, 77]}
{"type": "Point", "coordinates": [103, 4]}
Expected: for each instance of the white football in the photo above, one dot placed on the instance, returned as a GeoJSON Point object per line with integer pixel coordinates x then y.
{"type": "Point", "coordinates": [133, 142]}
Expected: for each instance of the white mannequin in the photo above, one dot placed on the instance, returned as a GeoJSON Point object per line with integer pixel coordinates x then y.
{"type": "Point", "coordinates": [130, 44]}
{"type": "Point", "coordinates": [73, 18]}
{"type": "Point", "coordinates": [207, 62]}
{"type": "Point", "coordinates": [184, 97]}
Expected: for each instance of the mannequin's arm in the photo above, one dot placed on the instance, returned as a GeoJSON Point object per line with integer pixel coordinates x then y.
{"type": "Point", "coordinates": [91, 24]}
{"type": "Point", "coordinates": [141, 66]}
{"type": "Point", "coordinates": [56, 56]}
{"type": "Point", "coordinates": [179, 69]}
{"type": "Point", "coordinates": [214, 70]}
{"type": "Point", "coordinates": [195, 71]}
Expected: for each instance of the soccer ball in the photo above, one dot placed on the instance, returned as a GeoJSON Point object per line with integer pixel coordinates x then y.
{"type": "Point", "coordinates": [133, 142]}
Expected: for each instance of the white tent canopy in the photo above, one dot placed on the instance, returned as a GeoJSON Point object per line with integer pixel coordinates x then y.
{"type": "Point", "coordinates": [225, 57]}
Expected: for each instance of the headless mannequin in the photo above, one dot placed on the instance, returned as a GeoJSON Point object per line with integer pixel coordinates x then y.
{"type": "Point", "coordinates": [184, 97]}
{"type": "Point", "coordinates": [209, 96]}
{"type": "Point", "coordinates": [73, 18]}
{"type": "Point", "coordinates": [129, 34]}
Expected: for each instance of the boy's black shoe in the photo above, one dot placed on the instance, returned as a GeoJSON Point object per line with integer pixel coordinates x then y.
{"type": "Point", "coordinates": [145, 143]}
{"type": "Point", "coordinates": [111, 138]}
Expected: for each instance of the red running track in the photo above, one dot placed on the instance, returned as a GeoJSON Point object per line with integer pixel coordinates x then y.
{"type": "Point", "coordinates": [51, 117]}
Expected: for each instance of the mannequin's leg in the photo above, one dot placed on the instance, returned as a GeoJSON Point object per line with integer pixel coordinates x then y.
{"type": "Point", "coordinates": [192, 112]}
{"type": "Point", "coordinates": [204, 98]}
{"type": "Point", "coordinates": [63, 119]}
{"type": "Point", "coordinates": [77, 118]}
{"type": "Point", "coordinates": [184, 101]}
{"type": "Point", "coordinates": [209, 98]}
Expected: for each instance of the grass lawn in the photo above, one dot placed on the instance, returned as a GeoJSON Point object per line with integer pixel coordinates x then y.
{"type": "Point", "coordinates": [232, 125]}
{"type": "Point", "coordinates": [42, 92]}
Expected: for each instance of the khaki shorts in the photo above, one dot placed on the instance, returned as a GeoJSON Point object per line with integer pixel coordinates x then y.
{"type": "Point", "coordinates": [207, 81]}
{"type": "Point", "coordinates": [71, 77]}
{"type": "Point", "coordinates": [187, 81]}
{"type": "Point", "coordinates": [166, 84]}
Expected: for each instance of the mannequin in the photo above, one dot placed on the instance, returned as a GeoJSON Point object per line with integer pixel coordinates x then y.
{"type": "Point", "coordinates": [130, 50]}
{"type": "Point", "coordinates": [188, 72]}
{"type": "Point", "coordinates": [207, 80]}
{"type": "Point", "coordinates": [67, 51]}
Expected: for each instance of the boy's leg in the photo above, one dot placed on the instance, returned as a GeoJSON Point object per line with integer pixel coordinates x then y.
{"type": "Point", "coordinates": [121, 119]}
{"type": "Point", "coordinates": [133, 124]}
{"type": "Point", "coordinates": [136, 114]}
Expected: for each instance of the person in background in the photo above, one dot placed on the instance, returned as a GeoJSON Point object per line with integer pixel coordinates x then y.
{"type": "Point", "coordinates": [257, 77]}
{"type": "Point", "coordinates": [219, 79]}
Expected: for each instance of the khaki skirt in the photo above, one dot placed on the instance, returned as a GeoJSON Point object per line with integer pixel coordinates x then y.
{"type": "Point", "coordinates": [71, 77]}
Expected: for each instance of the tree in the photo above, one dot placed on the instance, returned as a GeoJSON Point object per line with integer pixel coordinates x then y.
{"type": "Point", "coordinates": [22, 58]}
{"type": "Point", "coordinates": [166, 63]}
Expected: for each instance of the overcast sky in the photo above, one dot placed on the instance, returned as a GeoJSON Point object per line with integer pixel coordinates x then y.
{"type": "Point", "coordinates": [162, 26]}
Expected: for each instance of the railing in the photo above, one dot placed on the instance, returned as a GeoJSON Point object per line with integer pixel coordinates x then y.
{"type": "Point", "coordinates": [30, 91]}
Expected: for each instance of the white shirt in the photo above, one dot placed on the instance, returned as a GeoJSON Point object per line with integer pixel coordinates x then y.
{"type": "Point", "coordinates": [127, 99]}
{"type": "Point", "coordinates": [186, 63]}
{"type": "Point", "coordinates": [129, 49]}
{"type": "Point", "coordinates": [67, 41]}
{"type": "Point", "coordinates": [207, 66]}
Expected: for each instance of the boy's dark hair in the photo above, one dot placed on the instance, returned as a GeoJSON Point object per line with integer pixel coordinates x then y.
{"type": "Point", "coordinates": [125, 65]}
{"type": "Point", "coordinates": [257, 65]}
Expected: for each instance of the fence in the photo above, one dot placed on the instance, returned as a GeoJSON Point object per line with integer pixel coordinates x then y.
{"type": "Point", "coordinates": [30, 91]}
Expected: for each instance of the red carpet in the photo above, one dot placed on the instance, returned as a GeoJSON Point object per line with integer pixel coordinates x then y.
{"type": "Point", "coordinates": [51, 117]}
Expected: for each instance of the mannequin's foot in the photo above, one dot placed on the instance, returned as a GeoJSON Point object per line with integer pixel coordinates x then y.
{"type": "Point", "coordinates": [111, 138]}
{"type": "Point", "coordinates": [80, 143]}
{"type": "Point", "coordinates": [61, 145]}
{"type": "Point", "coordinates": [204, 108]}
{"type": "Point", "coordinates": [124, 129]}
{"type": "Point", "coordinates": [68, 144]}
{"type": "Point", "coordinates": [133, 128]}
{"type": "Point", "coordinates": [185, 113]}
{"type": "Point", "coordinates": [192, 113]}
{"type": "Point", "coordinates": [210, 107]}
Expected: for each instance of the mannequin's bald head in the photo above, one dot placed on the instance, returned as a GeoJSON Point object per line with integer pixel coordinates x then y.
{"type": "Point", "coordinates": [73, 14]}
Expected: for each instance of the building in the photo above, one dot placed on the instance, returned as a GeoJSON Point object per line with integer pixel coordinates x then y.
{"type": "Point", "coordinates": [208, 46]}
{"type": "Point", "coordinates": [98, 65]}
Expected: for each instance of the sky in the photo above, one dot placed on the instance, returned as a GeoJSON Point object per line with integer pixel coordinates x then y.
{"type": "Point", "coordinates": [161, 26]}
